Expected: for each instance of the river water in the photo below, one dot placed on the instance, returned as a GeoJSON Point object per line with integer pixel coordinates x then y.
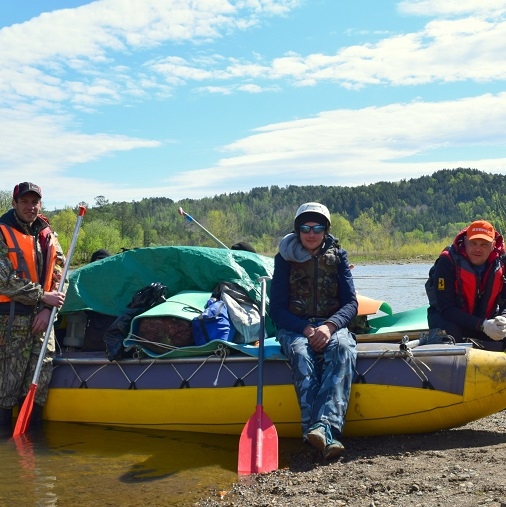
{"type": "Point", "coordinates": [400, 285]}
{"type": "Point", "coordinates": [80, 465]}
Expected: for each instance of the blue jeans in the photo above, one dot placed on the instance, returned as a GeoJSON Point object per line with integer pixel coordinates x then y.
{"type": "Point", "coordinates": [322, 380]}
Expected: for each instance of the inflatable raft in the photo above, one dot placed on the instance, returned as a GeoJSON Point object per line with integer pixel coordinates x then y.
{"type": "Point", "coordinates": [213, 388]}
{"type": "Point", "coordinates": [429, 388]}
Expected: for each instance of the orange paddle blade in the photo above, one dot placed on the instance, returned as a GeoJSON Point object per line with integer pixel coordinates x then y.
{"type": "Point", "coordinates": [258, 445]}
{"type": "Point", "coordinates": [25, 412]}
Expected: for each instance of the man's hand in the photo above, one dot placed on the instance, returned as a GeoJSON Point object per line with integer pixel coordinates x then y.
{"type": "Point", "coordinates": [53, 298]}
{"type": "Point", "coordinates": [493, 330]}
{"type": "Point", "coordinates": [321, 336]}
{"type": "Point", "coordinates": [501, 322]}
{"type": "Point", "coordinates": [41, 321]}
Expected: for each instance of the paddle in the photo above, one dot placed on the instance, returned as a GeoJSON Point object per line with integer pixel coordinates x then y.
{"type": "Point", "coordinates": [394, 336]}
{"type": "Point", "coordinates": [191, 219]}
{"type": "Point", "coordinates": [258, 445]}
{"type": "Point", "coordinates": [432, 337]}
{"type": "Point", "coordinates": [27, 407]}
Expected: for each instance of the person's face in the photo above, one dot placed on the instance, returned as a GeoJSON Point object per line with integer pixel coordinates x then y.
{"type": "Point", "coordinates": [27, 207]}
{"type": "Point", "coordinates": [478, 250]}
{"type": "Point", "coordinates": [311, 240]}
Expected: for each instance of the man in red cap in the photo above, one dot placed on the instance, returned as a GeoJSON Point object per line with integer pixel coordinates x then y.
{"type": "Point", "coordinates": [31, 265]}
{"type": "Point", "coordinates": [466, 289]}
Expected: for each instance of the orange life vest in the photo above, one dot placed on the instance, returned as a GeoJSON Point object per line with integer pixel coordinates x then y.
{"type": "Point", "coordinates": [22, 254]}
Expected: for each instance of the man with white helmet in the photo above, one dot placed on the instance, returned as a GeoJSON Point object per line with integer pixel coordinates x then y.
{"type": "Point", "coordinates": [312, 301]}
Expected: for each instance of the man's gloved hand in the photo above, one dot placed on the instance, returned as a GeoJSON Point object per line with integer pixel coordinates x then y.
{"type": "Point", "coordinates": [501, 322]}
{"type": "Point", "coordinates": [493, 330]}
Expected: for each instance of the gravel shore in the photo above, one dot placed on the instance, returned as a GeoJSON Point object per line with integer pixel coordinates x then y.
{"type": "Point", "coordinates": [462, 467]}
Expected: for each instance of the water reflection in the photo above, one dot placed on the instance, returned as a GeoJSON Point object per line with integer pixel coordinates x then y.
{"type": "Point", "coordinates": [76, 464]}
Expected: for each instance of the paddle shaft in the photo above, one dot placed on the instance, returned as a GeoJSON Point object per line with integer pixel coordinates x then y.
{"type": "Point", "coordinates": [82, 211]}
{"type": "Point", "coordinates": [260, 384]}
{"type": "Point", "coordinates": [263, 281]}
{"type": "Point", "coordinates": [26, 409]}
{"type": "Point", "coordinates": [387, 337]}
{"type": "Point", "coordinates": [191, 219]}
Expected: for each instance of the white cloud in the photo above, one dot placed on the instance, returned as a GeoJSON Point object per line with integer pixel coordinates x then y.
{"type": "Point", "coordinates": [453, 7]}
{"type": "Point", "coordinates": [444, 51]}
{"type": "Point", "coordinates": [39, 56]}
{"type": "Point", "coordinates": [343, 147]}
{"type": "Point", "coordinates": [35, 145]}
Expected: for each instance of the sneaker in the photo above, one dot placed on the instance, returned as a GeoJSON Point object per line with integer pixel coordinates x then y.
{"type": "Point", "coordinates": [316, 437]}
{"type": "Point", "coordinates": [333, 450]}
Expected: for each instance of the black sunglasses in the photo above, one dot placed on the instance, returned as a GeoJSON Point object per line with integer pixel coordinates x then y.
{"type": "Point", "coordinates": [317, 229]}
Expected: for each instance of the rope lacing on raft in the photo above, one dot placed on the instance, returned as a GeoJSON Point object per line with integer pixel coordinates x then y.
{"type": "Point", "coordinates": [415, 365]}
{"type": "Point", "coordinates": [133, 384]}
{"type": "Point", "coordinates": [84, 382]}
{"type": "Point", "coordinates": [222, 352]}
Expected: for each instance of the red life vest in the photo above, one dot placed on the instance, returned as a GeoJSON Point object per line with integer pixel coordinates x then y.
{"type": "Point", "coordinates": [477, 295]}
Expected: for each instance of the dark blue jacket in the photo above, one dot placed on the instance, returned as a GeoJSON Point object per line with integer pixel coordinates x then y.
{"type": "Point", "coordinates": [280, 294]}
{"type": "Point", "coordinates": [448, 302]}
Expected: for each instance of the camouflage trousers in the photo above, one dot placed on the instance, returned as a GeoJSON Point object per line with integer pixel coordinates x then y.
{"type": "Point", "coordinates": [18, 360]}
{"type": "Point", "coordinates": [322, 381]}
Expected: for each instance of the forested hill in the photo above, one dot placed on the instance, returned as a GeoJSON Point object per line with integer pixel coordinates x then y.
{"type": "Point", "coordinates": [380, 217]}
{"type": "Point", "coordinates": [438, 205]}
{"type": "Point", "coordinates": [430, 203]}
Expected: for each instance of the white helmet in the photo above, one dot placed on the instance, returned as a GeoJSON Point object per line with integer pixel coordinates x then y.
{"type": "Point", "coordinates": [312, 207]}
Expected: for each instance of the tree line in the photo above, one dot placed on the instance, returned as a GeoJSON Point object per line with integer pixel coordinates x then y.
{"type": "Point", "coordinates": [412, 218]}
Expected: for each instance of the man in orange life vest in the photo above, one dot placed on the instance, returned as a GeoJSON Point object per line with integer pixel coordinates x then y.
{"type": "Point", "coordinates": [31, 266]}
{"type": "Point", "coordinates": [466, 289]}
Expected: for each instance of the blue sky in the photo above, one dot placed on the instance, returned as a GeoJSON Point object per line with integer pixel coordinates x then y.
{"type": "Point", "coordinates": [129, 99]}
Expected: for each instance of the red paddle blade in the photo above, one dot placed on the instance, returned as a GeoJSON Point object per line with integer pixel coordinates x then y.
{"type": "Point", "coordinates": [25, 412]}
{"type": "Point", "coordinates": [258, 445]}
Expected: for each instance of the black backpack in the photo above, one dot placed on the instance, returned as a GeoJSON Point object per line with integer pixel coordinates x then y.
{"type": "Point", "coordinates": [143, 300]}
{"type": "Point", "coordinates": [149, 296]}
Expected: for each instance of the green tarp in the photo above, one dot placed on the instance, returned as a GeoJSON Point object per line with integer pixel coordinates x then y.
{"type": "Point", "coordinates": [409, 320]}
{"type": "Point", "coordinates": [108, 285]}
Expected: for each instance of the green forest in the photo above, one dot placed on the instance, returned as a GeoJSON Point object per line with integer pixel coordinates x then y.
{"type": "Point", "coordinates": [409, 219]}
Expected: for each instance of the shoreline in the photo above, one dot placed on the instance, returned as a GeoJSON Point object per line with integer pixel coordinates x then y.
{"type": "Point", "coordinates": [448, 467]}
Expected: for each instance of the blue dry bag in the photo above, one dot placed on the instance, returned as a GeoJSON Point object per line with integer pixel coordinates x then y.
{"type": "Point", "coordinates": [212, 324]}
